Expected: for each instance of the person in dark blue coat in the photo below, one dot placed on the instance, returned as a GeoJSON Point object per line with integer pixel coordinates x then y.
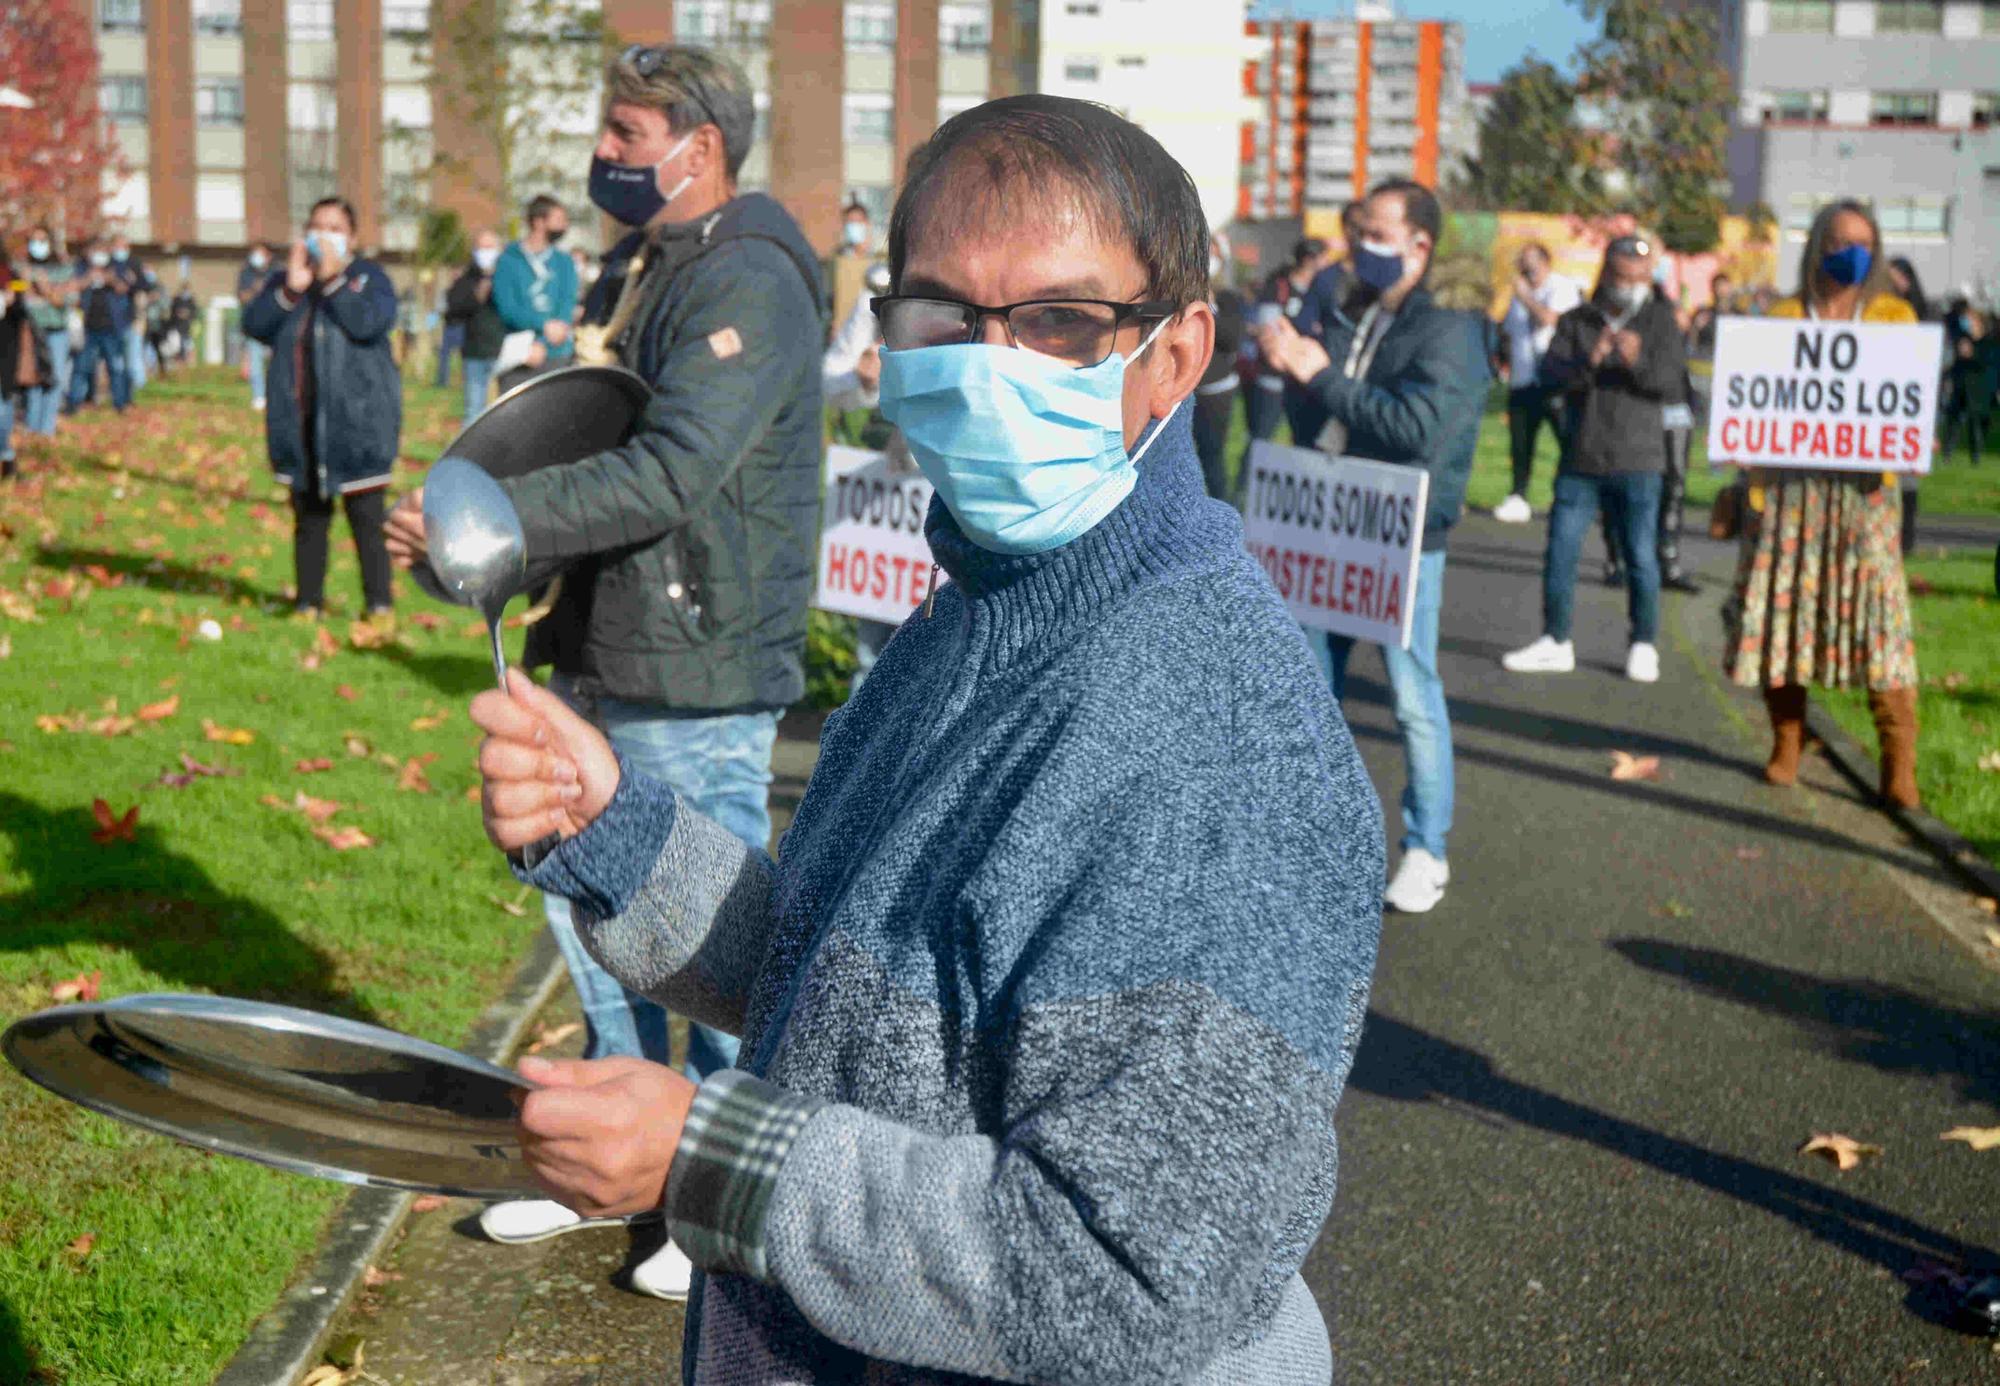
{"type": "Point", "coordinates": [335, 400]}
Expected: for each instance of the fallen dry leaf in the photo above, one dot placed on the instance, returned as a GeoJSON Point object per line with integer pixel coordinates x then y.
{"type": "Point", "coordinates": [80, 1248]}
{"type": "Point", "coordinates": [1990, 761]}
{"type": "Point", "coordinates": [1844, 1152]}
{"type": "Point", "coordinates": [318, 810]}
{"type": "Point", "coordinates": [326, 1374]}
{"type": "Point", "coordinates": [82, 987]}
{"type": "Point", "coordinates": [431, 722]}
{"type": "Point", "coordinates": [1992, 937]}
{"type": "Point", "coordinates": [6, 645]}
{"type": "Point", "coordinates": [197, 769]}
{"type": "Point", "coordinates": [1988, 904]}
{"type": "Point", "coordinates": [313, 766]}
{"type": "Point", "coordinates": [1625, 766]}
{"type": "Point", "coordinates": [427, 1203]}
{"type": "Point", "coordinates": [546, 1036]}
{"type": "Point", "coordinates": [363, 635]}
{"type": "Point", "coordinates": [356, 746]}
{"type": "Point", "coordinates": [1978, 1137]}
{"type": "Point", "coordinates": [344, 839]}
{"type": "Point", "coordinates": [160, 712]}
{"type": "Point", "coordinates": [1749, 853]}
{"type": "Point", "coordinates": [234, 736]}
{"type": "Point", "coordinates": [346, 692]}
{"type": "Point", "coordinates": [374, 1277]}
{"type": "Point", "coordinates": [111, 828]}
{"type": "Point", "coordinates": [429, 620]}
{"type": "Point", "coordinates": [412, 775]}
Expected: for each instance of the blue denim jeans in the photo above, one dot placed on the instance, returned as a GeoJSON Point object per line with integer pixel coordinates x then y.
{"type": "Point", "coordinates": [1421, 714]}
{"type": "Point", "coordinates": [135, 353]}
{"type": "Point", "coordinates": [720, 766]}
{"type": "Point", "coordinates": [259, 357]}
{"type": "Point", "coordinates": [452, 339]}
{"type": "Point", "coordinates": [478, 384]}
{"type": "Point", "coordinates": [1632, 507]}
{"type": "Point", "coordinates": [108, 347]}
{"type": "Point", "coordinates": [6, 427]}
{"type": "Point", "coordinates": [45, 401]}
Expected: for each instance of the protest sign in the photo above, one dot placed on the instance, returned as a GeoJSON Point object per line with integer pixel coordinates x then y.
{"type": "Point", "coordinates": [1340, 538]}
{"type": "Point", "coordinates": [1844, 396]}
{"type": "Point", "coordinates": [873, 559]}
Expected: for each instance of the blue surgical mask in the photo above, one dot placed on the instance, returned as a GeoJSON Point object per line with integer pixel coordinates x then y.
{"type": "Point", "coordinates": [99, 259]}
{"type": "Point", "coordinates": [631, 192]}
{"type": "Point", "coordinates": [326, 245]}
{"type": "Point", "coordinates": [856, 232]}
{"type": "Point", "coordinates": [1378, 266]}
{"type": "Point", "coordinates": [38, 248]}
{"type": "Point", "coordinates": [1027, 452]}
{"type": "Point", "coordinates": [486, 257]}
{"type": "Point", "coordinates": [1849, 265]}
{"type": "Point", "coordinates": [121, 256]}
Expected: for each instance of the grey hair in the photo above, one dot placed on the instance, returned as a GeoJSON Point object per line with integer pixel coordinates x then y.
{"type": "Point", "coordinates": [1812, 282]}
{"type": "Point", "coordinates": [692, 87]}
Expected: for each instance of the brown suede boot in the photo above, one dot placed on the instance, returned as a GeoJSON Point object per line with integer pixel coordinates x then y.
{"type": "Point", "coordinates": [1787, 706]}
{"type": "Point", "coordinates": [1896, 728]}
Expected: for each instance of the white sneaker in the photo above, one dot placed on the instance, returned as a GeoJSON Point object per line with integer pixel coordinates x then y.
{"type": "Point", "coordinates": [1642, 663]}
{"type": "Point", "coordinates": [1515, 510]}
{"type": "Point", "coordinates": [1419, 883]}
{"type": "Point", "coordinates": [664, 1275]}
{"type": "Point", "coordinates": [258, 405]}
{"type": "Point", "coordinates": [531, 1219]}
{"type": "Point", "coordinates": [1546, 656]}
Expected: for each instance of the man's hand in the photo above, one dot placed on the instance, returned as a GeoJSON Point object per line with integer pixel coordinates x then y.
{"type": "Point", "coordinates": [1629, 346]}
{"type": "Point", "coordinates": [546, 770]}
{"type": "Point", "coordinates": [868, 370]}
{"type": "Point", "coordinates": [555, 331]}
{"type": "Point", "coordinates": [404, 531]}
{"type": "Point", "coordinates": [1603, 346]}
{"type": "Point", "coordinates": [600, 1135]}
{"type": "Point", "coordinates": [298, 270]}
{"type": "Point", "coordinates": [1297, 356]}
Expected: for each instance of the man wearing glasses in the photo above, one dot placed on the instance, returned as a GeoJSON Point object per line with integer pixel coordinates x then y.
{"type": "Point", "coordinates": [686, 555]}
{"type": "Point", "coordinates": [1048, 1002]}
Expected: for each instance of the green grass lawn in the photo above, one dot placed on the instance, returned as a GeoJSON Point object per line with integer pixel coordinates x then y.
{"type": "Point", "coordinates": [124, 1257]}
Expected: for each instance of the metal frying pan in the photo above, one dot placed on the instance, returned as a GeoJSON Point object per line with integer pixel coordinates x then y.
{"type": "Point", "coordinates": [293, 1089]}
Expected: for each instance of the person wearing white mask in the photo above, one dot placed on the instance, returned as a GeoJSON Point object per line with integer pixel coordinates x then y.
{"type": "Point", "coordinates": [250, 281]}
{"type": "Point", "coordinates": [1616, 360]}
{"type": "Point", "coordinates": [469, 305]}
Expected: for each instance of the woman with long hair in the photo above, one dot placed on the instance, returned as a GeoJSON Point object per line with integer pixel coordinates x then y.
{"type": "Point", "coordinates": [1820, 595]}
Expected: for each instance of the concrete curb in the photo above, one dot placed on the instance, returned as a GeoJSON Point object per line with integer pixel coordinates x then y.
{"type": "Point", "coordinates": [287, 1341]}
{"type": "Point", "coordinates": [1853, 761]}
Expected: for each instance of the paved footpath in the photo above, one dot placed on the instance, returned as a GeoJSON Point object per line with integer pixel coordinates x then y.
{"type": "Point", "coordinates": [1568, 1146]}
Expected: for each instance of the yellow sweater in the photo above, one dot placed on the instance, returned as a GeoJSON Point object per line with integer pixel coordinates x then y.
{"type": "Point", "coordinates": [1881, 308]}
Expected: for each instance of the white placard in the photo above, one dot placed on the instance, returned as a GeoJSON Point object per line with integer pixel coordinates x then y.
{"type": "Point", "coordinates": [873, 559]}
{"type": "Point", "coordinates": [1843, 396]}
{"type": "Point", "coordinates": [1340, 537]}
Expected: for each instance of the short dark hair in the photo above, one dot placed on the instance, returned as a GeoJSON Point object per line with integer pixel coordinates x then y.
{"type": "Point", "coordinates": [1038, 149]}
{"type": "Point", "coordinates": [1538, 248]}
{"type": "Point", "coordinates": [346, 210]}
{"type": "Point", "coordinates": [851, 208]}
{"type": "Point", "coordinates": [541, 204]}
{"type": "Point", "coordinates": [1421, 208]}
{"type": "Point", "coordinates": [1350, 212]}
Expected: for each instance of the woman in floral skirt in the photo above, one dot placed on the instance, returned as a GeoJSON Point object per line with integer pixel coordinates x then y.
{"type": "Point", "coordinates": [1820, 594]}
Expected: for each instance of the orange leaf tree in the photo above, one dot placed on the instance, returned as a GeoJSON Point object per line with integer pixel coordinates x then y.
{"type": "Point", "coordinates": [56, 156]}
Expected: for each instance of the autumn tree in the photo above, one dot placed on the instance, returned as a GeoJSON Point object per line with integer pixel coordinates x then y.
{"type": "Point", "coordinates": [56, 156]}
{"type": "Point", "coordinates": [1656, 73]}
{"type": "Point", "coordinates": [1533, 155]}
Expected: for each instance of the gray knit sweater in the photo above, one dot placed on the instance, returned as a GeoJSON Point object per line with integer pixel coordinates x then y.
{"type": "Point", "coordinates": [1049, 997]}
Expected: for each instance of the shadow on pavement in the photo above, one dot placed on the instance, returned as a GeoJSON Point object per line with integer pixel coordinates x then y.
{"type": "Point", "coordinates": [1863, 1021]}
{"type": "Point", "coordinates": [1404, 1064]}
{"type": "Point", "coordinates": [160, 574]}
{"type": "Point", "coordinates": [158, 906]}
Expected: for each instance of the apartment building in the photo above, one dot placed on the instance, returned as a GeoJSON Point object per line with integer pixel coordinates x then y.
{"type": "Point", "coordinates": [1342, 104]}
{"type": "Point", "coordinates": [1893, 101]}
{"type": "Point", "coordinates": [236, 115]}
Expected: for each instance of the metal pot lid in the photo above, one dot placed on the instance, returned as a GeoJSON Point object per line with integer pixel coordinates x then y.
{"type": "Point", "coordinates": [553, 419]}
{"type": "Point", "coordinates": [300, 1091]}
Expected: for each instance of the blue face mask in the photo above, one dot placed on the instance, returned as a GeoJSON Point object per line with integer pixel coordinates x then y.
{"type": "Point", "coordinates": [631, 192]}
{"type": "Point", "coordinates": [1848, 266]}
{"type": "Point", "coordinates": [1027, 452]}
{"type": "Point", "coordinates": [1380, 268]}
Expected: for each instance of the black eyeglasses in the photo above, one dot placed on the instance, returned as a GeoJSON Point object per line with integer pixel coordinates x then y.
{"type": "Point", "coordinates": [1080, 331]}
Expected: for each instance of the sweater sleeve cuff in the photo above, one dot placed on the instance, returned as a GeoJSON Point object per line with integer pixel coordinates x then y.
{"type": "Point", "coordinates": [1326, 388]}
{"type": "Point", "coordinates": [725, 1171]}
{"type": "Point", "coordinates": [602, 867]}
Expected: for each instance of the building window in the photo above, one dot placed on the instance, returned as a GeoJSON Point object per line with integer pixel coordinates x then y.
{"type": "Point", "coordinates": [869, 122]}
{"type": "Point", "coordinates": [1080, 70]}
{"type": "Point", "coordinates": [1903, 108]}
{"type": "Point", "coordinates": [218, 197]}
{"type": "Point", "coordinates": [114, 16]}
{"type": "Point", "coordinates": [964, 28]}
{"type": "Point", "coordinates": [871, 25]}
{"type": "Point", "coordinates": [722, 23]}
{"type": "Point", "coordinates": [1909, 16]}
{"type": "Point", "coordinates": [218, 101]}
{"type": "Point", "coordinates": [1801, 16]}
{"type": "Point", "coordinates": [123, 98]}
{"type": "Point", "coordinates": [1912, 216]}
{"type": "Point", "coordinates": [308, 21]}
{"type": "Point", "coordinates": [405, 20]}
{"type": "Point", "coordinates": [1797, 107]}
{"type": "Point", "coordinates": [1985, 110]}
{"type": "Point", "coordinates": [218, 17]}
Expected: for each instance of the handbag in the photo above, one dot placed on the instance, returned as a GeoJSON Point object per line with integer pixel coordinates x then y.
{"type": "Point", "coordinates": [1725, 513]}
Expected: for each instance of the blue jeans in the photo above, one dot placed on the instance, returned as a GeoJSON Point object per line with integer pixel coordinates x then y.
{"type": "Point", "coordinates": [450, 340]}
{"type": "Point", "coordinates": [108, 347]}
{"type": "Point", "coordinates": [1632, 507]}
{"type": "Point", "coordinates": [259, 357]}
{"type": "Point", "coordinates": [135, 352]}
{"type": "Point", "coordinates": [720, 766]}
{"type": "Point", "coordinates": [1421, 714]}
{"type": "Point", "coordinates": [6, 427]}
{"type": "Point", "coordinates": [45, 401]}
{"type": "Point", "coordinates": [478, 384]}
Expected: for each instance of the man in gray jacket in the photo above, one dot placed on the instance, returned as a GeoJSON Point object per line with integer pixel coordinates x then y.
{"type": "Point", "coordinates": [686, 555]}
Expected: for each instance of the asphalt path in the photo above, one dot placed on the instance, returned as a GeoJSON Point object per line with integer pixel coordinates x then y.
{"type": "Point", "coordinates": [1569, 1144]}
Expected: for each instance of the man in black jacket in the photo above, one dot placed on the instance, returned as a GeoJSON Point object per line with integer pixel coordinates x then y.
{"type": "Point", "coordinates": [1399, 379]}
{"type": "Point", "coordinates": [1616, 360]}
{"type": "Point", "coordinates": [468, 305]}
{"type": "Point", "coordinates": [685, 556]}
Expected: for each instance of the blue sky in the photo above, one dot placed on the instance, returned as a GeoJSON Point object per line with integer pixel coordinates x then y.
{"type": "Point", "coordinates": [1497, 32]}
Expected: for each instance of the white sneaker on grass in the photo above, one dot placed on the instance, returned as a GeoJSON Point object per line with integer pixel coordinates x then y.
{"type": "Point", "coordinates": [1546, 656]}
{"type": "Point", "coordinates": [1642, 663]}
{"type": "Point", "coordinates": [663, 1275]}
{"type": "Point", "coordinates": [1418, 884]}
{"type": "Point", "coordinates": [531, 1219]}
{"type": "Point", "coordinates": [1515, 510]}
